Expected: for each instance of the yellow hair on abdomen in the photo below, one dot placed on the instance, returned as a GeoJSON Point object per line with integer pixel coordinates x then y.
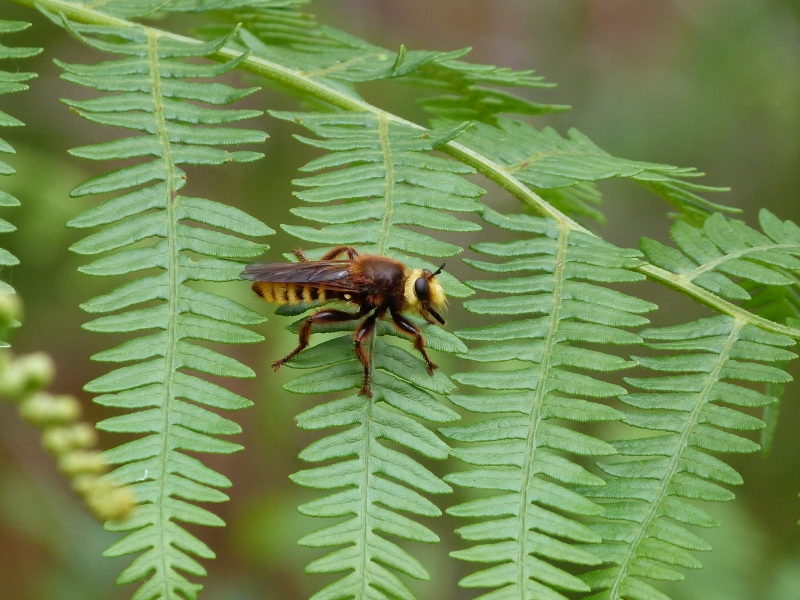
{"type": "Point", "coordinates": [279, 290]}
{"type": "Point", "coordinates": [291, 293]}
{"type": "Point", "coordinates": [264, 289]}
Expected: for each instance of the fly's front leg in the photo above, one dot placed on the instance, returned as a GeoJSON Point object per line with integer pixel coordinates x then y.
{"type": "Point", "coordinates": [322, 316]}
{"type": "Point", "coordinates": [409, 328]}
{"type": "Point", "coordinates": [367, 327]}
{"type": "Point", "coordinates": [332, 254]}
{"type": "Point", "coordinates": [427, 317]}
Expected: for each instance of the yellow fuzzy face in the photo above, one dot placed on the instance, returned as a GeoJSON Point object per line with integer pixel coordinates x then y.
{"type": "Point", "coordinates": [422, 290]}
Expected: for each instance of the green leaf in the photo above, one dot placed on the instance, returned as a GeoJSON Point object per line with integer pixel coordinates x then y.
{"type": "Point", "coordinates": [155, 228]}
{"type": "Point", "coordinates": [563, 171]}
{"type": "Point", "coordinates": [379, 179]}
{"type": "Point", "coordinates": [647, 492]}
{"type": "Point", "coordinates": [723, 248]}
{"type": "Point", "coordinates": [10, 82]}
{"type": "Point", "coordinates": [512, 449]}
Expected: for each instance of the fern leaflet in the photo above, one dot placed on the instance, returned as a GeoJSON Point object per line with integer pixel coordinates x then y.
{"type": "Point", "coordinates": [11, 82]}
{"type": "Point", "coordinates": [725, 248]}
{"type": "Point", "coordinates": [381, 172]}
{"type": "Point", "coordinates": [780, 304]}
{"type": "Point", "coordinates": [646, 496]}
{"type": "Point", "coordinates": [465, 91]}
{"type": "Point", "coordinates": [167, 402]}
{"type": "Point", "coordinates": [516, 451]}
{"type": "Point", "coordinates": [469, 91]}
{"type": "Point", "coordinates": [552, 165]}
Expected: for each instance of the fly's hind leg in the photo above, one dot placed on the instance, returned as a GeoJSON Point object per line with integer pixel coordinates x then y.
{"type": "Point", "coordinates": [352, 254]}
{"type": "Point", "coordinates": [322, 316]}
{"type": "Point", "coordinates": [335, 252]}
{"type": "Point", "coordinates": [367, 327]}
{"type": "Point", "coordinates": [409, 328]}
{"type": "Point", "coordinates": [300, 254]}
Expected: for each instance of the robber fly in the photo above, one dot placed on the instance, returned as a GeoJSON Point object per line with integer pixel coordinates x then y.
{"type": "Point", "coordinates": [375, 284]}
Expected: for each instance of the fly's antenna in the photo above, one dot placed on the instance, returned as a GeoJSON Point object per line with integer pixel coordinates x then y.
{"type": "Point", "coordinates": [439, 270]}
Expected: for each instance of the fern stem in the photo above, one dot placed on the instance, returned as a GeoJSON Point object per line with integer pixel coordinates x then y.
{"type": "Point", "coordinates": [172, 302]}
{"type": "Point", "coordinates": [550, 341]}
{"type": "Point", "coordinates": [364, 527]}
{"type": "Point", "coordinates": [672, 468]}
{"type": "Point", "coordinates": [500, 175]}
{"type": "Point", "coordinates": [682, 283]}
{"type": "Point", "coordinates": [388, 165]}
{"type": "Point", "coordinates": [712, 264]}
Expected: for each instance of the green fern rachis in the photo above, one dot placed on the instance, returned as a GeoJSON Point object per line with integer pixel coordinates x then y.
{"type": "Point", "coordinates": [646, 496]}
{"type": "Point", "coordinates": [516, 451]}
{"type": "Point", "coordinates": [381, 180]}
{"type": "Point", "coordinates": [167, 402]}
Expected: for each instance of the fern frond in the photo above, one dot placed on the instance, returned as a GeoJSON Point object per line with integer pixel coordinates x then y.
{"type": "Point", "coordinates": [186, 239]}
{"type": "Point", "coordinates": [379, 179]}
{"type": "Point", "coordinates": [725, 248]}
{"type": "Point", "coordinates": [552, 272]}
{"type": "Point", "coordinates": [11, 82]}
{"type": "Point", "coordinates": [464, 91]}
{"type": "Point", "coordinates": [780, 304]}
{"type": "Point", "coordinates": [469, 91]}
{"type": "Point", "coordinates": [126, 9]}
{"type": "Point", "coordinates": [388, 182]}
{"type": "Point", "coordinates": [646, 496]}
{"type": "Point", "coordinates": [546, 162]}
{"type": "Point", "coordinates": [337, 59]}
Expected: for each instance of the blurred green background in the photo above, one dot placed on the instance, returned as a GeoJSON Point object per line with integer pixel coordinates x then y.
{"type": "Point", "coordinates": [713, 84]}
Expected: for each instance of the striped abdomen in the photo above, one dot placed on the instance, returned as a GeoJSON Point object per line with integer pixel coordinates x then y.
{"type": "Point", "coordinates": [291, 293]}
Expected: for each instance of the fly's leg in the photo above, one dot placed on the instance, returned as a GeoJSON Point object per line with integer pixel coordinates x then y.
{"type": "Point", "coordinates": [367, 328]}
{"type": "Point", "coordinates": [332, 254]}
{"type": "Point", "coordinates": [425, 316]}
{"type": "Point", "coordinates": [300, 254]}
{"type": "Point", "coordinates": [409, 328]}
{"type": "Point", "coordinates": [322, 316]}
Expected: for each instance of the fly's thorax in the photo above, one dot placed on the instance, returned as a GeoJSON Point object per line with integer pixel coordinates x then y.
{"type": "Point", "coordinates": [380, 271]}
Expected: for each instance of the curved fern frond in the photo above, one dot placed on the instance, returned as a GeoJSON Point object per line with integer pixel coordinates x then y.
{"type": "Point", "coordinates": [185, 239]}
{"type": "Point", "coordinates": [517, 450]}
{"type": "Point", "coordinates": [381, 179]}
{"type": "Point", "coordinates": [646, 496]}
{"type": "Point", "coordinates": [11, 82]}
{"type": "Point", "coordinates": [335, 94]}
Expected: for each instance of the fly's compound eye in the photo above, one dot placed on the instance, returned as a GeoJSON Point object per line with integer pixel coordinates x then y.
{"type": "Point", "coordinates": [421, 289]}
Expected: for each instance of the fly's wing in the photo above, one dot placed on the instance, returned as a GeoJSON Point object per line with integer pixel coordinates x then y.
{"type": "Point", "coordinates": [333, 275]}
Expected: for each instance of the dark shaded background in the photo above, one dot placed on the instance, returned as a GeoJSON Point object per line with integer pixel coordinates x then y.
{"type": "Point", "coordinates": [713, 84]}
